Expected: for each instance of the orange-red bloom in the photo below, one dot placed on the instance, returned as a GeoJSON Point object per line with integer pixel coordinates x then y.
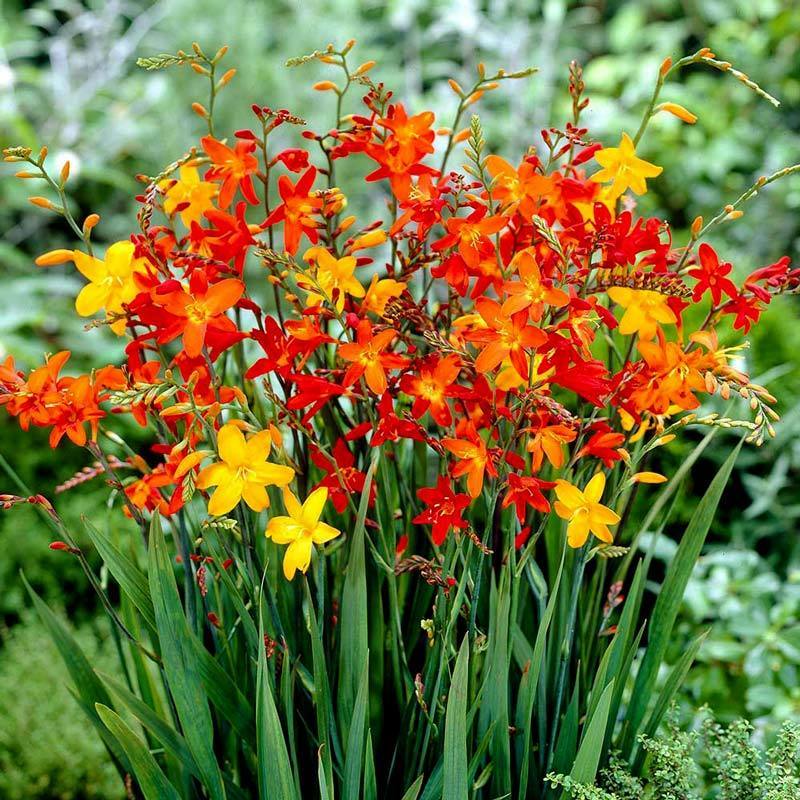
{"type": "Point", "coordinates": [369, 358]}
{"type": "Point", "coordinates": [234, 167]}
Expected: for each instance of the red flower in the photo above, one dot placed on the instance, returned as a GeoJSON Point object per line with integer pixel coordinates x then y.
{"type": "Point", "coordinates": [343, 478]}
{"type": "Point", "coordinates": [524, 492]}
{"type": "Point", "coordinates": [710, 276]}
{"type": "Point", "coordinates": [297, 209]}
{"type": "Point", "coordinates": [431, 387]}
{"type": "Point", "coordinates": [444, 509]}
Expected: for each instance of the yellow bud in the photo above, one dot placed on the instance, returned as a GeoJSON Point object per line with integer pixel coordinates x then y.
{"type": "Point", "coordinates": [365, 67]}
{"type": "Point", "coordinates": [665, 439]}
{"type": "Point", "coordinates": [275, 435]}
{"type": "Point", "coordinates": [25, 174]}
{"type": "Point", "coordinates": [200, 110]}
{"type": "Point", "coordinates": [679, 111]}
{"type": "Point", "coordinates": [346, 223]}
{"type": "Point", "coordinates": [64, 176]}
{"type": "Point", "coordinates": [371, 239]}
{"type": "Point", "coordinates": [349, 46]}
{"type": "Point", "coordinates": [648, 477]}
{"type": "Point", "coordinates": [53, 257]}
{"type": "Point", "coordinates": [456, 87]}
{"type": "Point", "coordinates": [696, 227]}
{"type": "Point", "coordinates": [90, 222]}
{"type": "Point", "coordinates": [735, 214]}
{"type": "Point", "coordinates": [461, 136]}
{"type": "Point", "coordinates": [474, 97]}
{"type": "Point", "coordinates": [41, 202]}
{"type": "Point", "coordinates": [226, 78]}
{"type": "Point", "coordinates": [325, 86]}
{"type": "Point", "coordinates": [199, 68]}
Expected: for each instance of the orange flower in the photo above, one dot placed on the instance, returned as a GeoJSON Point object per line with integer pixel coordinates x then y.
{"type": "Point", "coordinates": [519, 189]}
{"type": "Point", "coordinates": [430, 388]}
{"type": "Point", "coordinates": [369, 359]}
{"type": "Point", "coordinates": [203, 306]}
{"type": "Point", "coordinates": [467, 234]}
{"type": "Point", "coordinates": [549, 440]}
{"type": "Point", "coordinates": [505, 336]}
{"type": "Point", "coordinates": [474, 461]}
{"type": "Point", "coordinates": [296, 210]}
{"type": "Point", "coordinates": [234, 167]}
{"type": "Point", "coordinates": [530, 291]}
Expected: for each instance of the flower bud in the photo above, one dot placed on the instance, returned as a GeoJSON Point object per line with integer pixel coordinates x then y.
{"type": "Point", "coordinates": [54, 257]}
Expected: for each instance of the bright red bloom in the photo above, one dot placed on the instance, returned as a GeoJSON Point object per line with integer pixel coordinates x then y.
{"type": "Point", "coordinates": [524, 491]}
{"type": "Point", "coordinates": [234, 167]}
{"type": "Point", "coordinates": [444, 509]}
{"type": "Point", "coordinates": [342, 478]}
{"type": "Point", "coordinates": [711, 276]}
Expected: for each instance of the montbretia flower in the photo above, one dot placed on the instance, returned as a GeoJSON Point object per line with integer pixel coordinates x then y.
{"type": "Point", "coordinates": [444, 509]}
{"type": "Point", "coordinates": [243, 472]}
{"type": "Point", "coordinates": [584, 512]}
{"type": "Point", "coordinates": [624, 168]}
{"type": "Point", "coordinates": [301, 530]}
{"type": "Point", "coordinates": [368, 357]}
{"type": "Point", "coordinates": [235, 166]}
{"type": "Point", "coordinates": [474, 461]}
{"type": "Point", "coordinates": [188, 196]}
{"type": "Point", "coordinates": [644, 311]}
{"type": "Point", "coordinates": [333, 281]}
{"type": "Point", "coordinates": [111, 282]}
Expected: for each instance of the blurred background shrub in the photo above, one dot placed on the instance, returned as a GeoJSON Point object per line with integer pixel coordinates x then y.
{"type": "Point", "coordinates": [68, 79]}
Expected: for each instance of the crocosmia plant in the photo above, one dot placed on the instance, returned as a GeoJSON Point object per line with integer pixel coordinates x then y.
{"type": "Point", "coordinates": [381, 541]}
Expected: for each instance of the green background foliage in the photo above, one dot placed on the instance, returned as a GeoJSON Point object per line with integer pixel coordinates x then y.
{"type": "Point", "coordinates": [68, 79]}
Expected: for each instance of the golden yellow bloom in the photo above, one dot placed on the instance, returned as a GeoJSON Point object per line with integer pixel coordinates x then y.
{"type": "Point", "coordinates": [243, 472]}
{"type": "Point", "coordinates": [111, 281]}
{"type": "Point", "coordinates": [189, 189]}
{"type": "Point", "coordinates": [622, 166]}
{"type": "Point", "coordinates": [333, 275]}
{"type": "Point", "coordinates": [380, 292]}
{"type": "Point", "coordinates": [301, 530]}
{"type": "Point", "coordinates": [584, 511]}
{"type": "Point", "coordinates": [644, 310]}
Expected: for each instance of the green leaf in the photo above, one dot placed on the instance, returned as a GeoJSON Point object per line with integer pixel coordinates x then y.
{"type": "Point", "coordinates": [370, 779]}
{"type": "Point", "coordinates": [494, 706]}
{"type": "Point", "coordinates": [148, 774]}
{"type": "Point", "coordinates": [413, 790]}
{"type": "Point", "coordinates": [126, 573]}
{"type": "Point", "coordinates": [89, 689]}
{"type": "Point", "coordinates": [181, 665]}
{"type": "Point", "coordinates": [587, 760]}
{"type": "Point", "coordinates": [456, 777]}
{"type": "Point", "coordinates": [354, 755]}
{"type": "Point", "coordinates": [670, 598]}
{"type": "Point", "coordinates": [530, 681]}
{"type": "Point", "coordinates": [275, 779]}
{"type": "Point", "coordinates": [674, 681]}
{"type": "Point", "coordinates": [354, 624]}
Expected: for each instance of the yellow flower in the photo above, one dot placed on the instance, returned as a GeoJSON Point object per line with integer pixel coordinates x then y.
{"type": "Point", "coordinates": [333, 274]}
{"type": "Point", "coordinates": [622, 166]}
{"type": "Point", "coordinates": [301, 530]}
{"type": "Point", "coordinates": [111, 281]}
{"type": "Point", "coordinates": [583, 511]}
{"type": "Point", "coordinates": [188, 189]}
{"type": "Point", "coordinates": [644, 310]}
{"type": "Point", "coordinates": [243, 472]}
{"type": "Point", "coordinates": [380, 292]}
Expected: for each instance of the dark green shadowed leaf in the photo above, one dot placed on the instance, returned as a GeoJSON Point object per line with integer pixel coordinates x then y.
{"type": "Point", "coordinates": [148, 774]}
